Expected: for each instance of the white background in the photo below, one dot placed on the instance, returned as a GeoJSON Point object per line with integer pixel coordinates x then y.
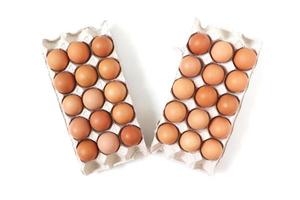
{"type": "Point", "coordinates": [37, 161]}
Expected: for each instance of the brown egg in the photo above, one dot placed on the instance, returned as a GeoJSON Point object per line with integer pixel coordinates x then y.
{"type": "Point", "coordinates": [102, 46]}
{"type": "Point", "coordinates": [190, 66]}
{"type": "Point", "coordinates": [64, 82]}
{"type": "Point", "coordinates": [220, 127]}
{"type": "Point", "coordinates": [245, 59]}
{"type": "Point", "coordinates": [183, 88]}
{"type": "Point", "coordinates": [79, 128]}
{"type": "Point", "coordinates": [57, 59]}
{"type": "Point", "coordinates": [228, 104]}
{"type": "Point", "coordinates": [175, 111]}
{"type": "Point", "coordinates": [86, 75]}
{"type": "Point", "coordinates": [93, 98]}
{"type": "Point", "coordinates": [72, 105]}
{"type": "Point", "coordinates": [198, 119]}
{"type": "Point", "coordinates": [213, 74]}
{"type": "Point", "coordinates": [190, 141]}
{"type": "Point", "coordinates": [109, 68]}
{"type": "Point", "coordinates": [115, 91]}
{"type": "Point", "coordinates": [211, 149]}
{"type": "Point", "coordinates": [108, 143]}
{"type": "Point", "coordinates": [199, 43]}
{"type": "Point", "coordinates": [78, 52]}
{"type": "Point", "coordinates": [87, 150]}
{"type": "Point", "coordinates": [237, 81]}
{"type": "Point", "coordinates": [221, 51]}
{"type": "Point", "coordinates": [100, 120]}
{"type": "Point", "coordinates": [123, 113]}
{"type": "Point", "coordinates": [206, 96]}
{"type": "Point", "coordinates": [130, 135]}
{"type": "Point", "coordinates": [167, 133]}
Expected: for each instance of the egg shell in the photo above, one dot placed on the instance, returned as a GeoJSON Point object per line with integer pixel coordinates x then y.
{"type": "Point", "coordinates": [130, 135]}
{"type": "Point", "coordinates": [245, 59]}
{"type": "Point", "coordinates": [211, 149]}
{"type": "Point", "coordinates": [72, 105]}
{"type": "Point", "coordinates": [86, 75]}
{"type": "Point", "coordinates": [222, 51]}
{"type": "Point", "coordinates": [198, 119]}
{"type": "Point", "coordinates": [93, 98]}
{"type": "Point", "coordinates": [115, 91]}
{"type": "Point", "coordinates": [100, 120]}
{"type": "Point", "coordinates": [236, 81]}
{"type": "Point", "coordinates": [109, 68]}
{"type": "Point", "coordinates": [108, 143]}
{"type": "Point", "coordinates": [78, 52]}
{"type": "Point", "coordinates": [199, 43]}
{"type": "Point", "coordinates": [183, 88]}
{"type": "Point", "coordinates": [167, 133]}
{"type": "Point", "coordinates": [190, 66]}
{"type": "Point", "coordinates": [102, 46]}
{"type": "Point", "coordinates": [213, 74]}
{"type": "Point", "coordinates": [175, 111]}
{"type": "Point", "coordinates": [206, 96]}
{"type": "Point", "coordinates": [122, 113]}
{"type": "Point", "coordinates": [57, 59]}
{"type": "Point", "coordinates": [87, 150]}
{"type": "Point", "coordinates": [64, 82]}
{"type": "Point", "coordinates": [190, 141]}
{"type": "Point", "coordinates": [228, 104]}
{"type": "Point", "coordinates": [79, 128]}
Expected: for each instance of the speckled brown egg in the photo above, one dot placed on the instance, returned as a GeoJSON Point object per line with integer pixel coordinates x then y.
{"type": "Point", "coordinates": [87, 150]}
{"type": "Point", "coordinates": [57, 59]}
{"type": "Point", "coordinates": [228, 104]}
{"type": "Point", "coordinates": [190, 66]}
{"type": "Point", "coordinates": [102, 46]}
{"type": "Point", "coordinates": [78, 52]}
{"type": "Point", "coordinates": [108, 143]}
{"type": "Point", "coordinates": [198, 119]}
{"type": "Point", "coordinates": [109, 68]}
{"type": "Point", "coordinates": [213, 74]}
{"type": "Point", "coordinates": [199, 43]}
{"type": "Point", "coordinates": [100, 120]}
{"type": "Point", "coordinates": [245, 59]}
{"type": "Point", "coordinates": [221, 51]}
{"type": "Point", "coordinates": [86, 75]}
{"type": "Point", "coordinates": [175, 111]}
{"type": "Point", "coordinates": [190, 141]}
{"type": "Point", "coordinates": [167, 133]}
{"type": "Point", "coordinates": [72, 105]}
{"type": "Point", "coordinates": [183, 88]}
{"type": "Point", "coordinates": [206, 96]}
{"type": "Point", "coordinates": [123, 113]}
{"type": "Point", "coordinates": [130, 135]}
{"type": "Point", "coordinates": [115, 91]}
{"type": "Point", "coordinates": [220, 127]}
{"type": "Point", "coordinates": [237, 81]}
{"type": "Point", "coordinates": [79, 128]}
{"type": "Point", "coordinates": [93, 98]}
{"type": "Point", "coordinates": [64, 82]}
{"type": "Point", "coordinates": [211, 149]}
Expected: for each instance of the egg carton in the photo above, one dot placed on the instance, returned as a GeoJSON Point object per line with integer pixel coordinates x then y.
{"type": "Point", "coordinates": [124, 154]}
{"type": "Point", "coordinates": [195, 160]}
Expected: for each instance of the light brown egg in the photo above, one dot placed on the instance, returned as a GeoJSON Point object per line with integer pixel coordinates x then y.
{"type": "Point", "coordinates": [57, 59]}
{"type": "Point", "coordinates": [100, 120]}
{"type": "Point", "coordinates": [109, 68]}
{"type": "Point", "coordinates": [245, 59]}
{"type": "Point", "coordinates": [183, 88]}
{"type": "Point", "coordinates": [108, 143]}
{"type": "Point", "coordinates": [115, 91]}
{"type": "Point", "coordinates": [221, 51]}
{"type": "Point", "coordinates": [86, 75]}
{"type": "Point", "coordinates": [87, 150]}
{"type": "Point", "coordinates": [198, 119]}
{"type": "Point", "coordinates": [190, 66]}
{"type": "Point", "coordinates": [79, 128]}
{"type": "Point", "coordinates": [206, 96]}
{"type": "Point", "coordinates": [93, 98]}
{"type": "Point", "coordinates": [72, 105]}
{"type": "Point", "coordinates": [237, 81]}
{"type": "Point", "coordinates": [228, 104]}
{"type": "Point", "coordinates": [211, 149]}
{"type": "Point", "coordinates": [78, 52]}
{"type": "Point", "coordinates": [220, 127]}
{"type": "Point", "coordinates": [123, 113]}
{"type": "Point", "coordinates": [175, 111]}
{"type": "Point", "coordinates": [167, 133]}
{"type": "Point", "coordinates": [199, 43]}
{"type": "Point", "coordinates": [190, 141]}
{"type": "Point", "coordinates": [102, 46]}
{"type": "Point", "coordinates": [64, 82]}
{"type": "Point", "coordinates": [213, 74]}
{"type": "Point", "coordinates": [130, 135]}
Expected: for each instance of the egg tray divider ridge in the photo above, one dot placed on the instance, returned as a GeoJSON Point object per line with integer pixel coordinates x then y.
{"type": "Point", "coordinates": [195, 160]}
{"type": "Point", "coordinates": [124, 154]}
